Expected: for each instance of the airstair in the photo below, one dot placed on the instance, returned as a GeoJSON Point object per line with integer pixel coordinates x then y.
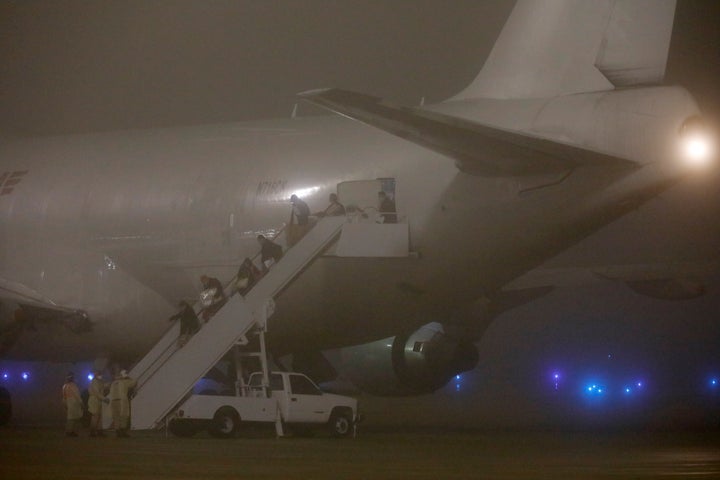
{"type": "Point", "coordinates": [169, 372]}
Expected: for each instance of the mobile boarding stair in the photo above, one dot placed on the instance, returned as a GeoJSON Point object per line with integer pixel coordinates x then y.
{"type": "Point", "coordinates": [168, 373]}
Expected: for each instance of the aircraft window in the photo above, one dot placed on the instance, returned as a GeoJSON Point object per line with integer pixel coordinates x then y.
{"type": "Point", "coordinates": [300, 385]}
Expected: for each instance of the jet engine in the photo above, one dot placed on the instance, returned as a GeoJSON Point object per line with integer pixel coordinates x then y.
{"type": "Point", "coordinates": [413, 364]}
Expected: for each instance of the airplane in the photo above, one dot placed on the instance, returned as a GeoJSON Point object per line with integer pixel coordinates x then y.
{"type": "Point", "coordinates": [565, 129]}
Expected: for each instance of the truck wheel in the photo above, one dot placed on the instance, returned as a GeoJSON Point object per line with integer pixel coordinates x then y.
{"type": "Point", "coordinates": [340, 424]}
{"type": "Point", "coordinates": [182, 428]}
{"type": "Point", "coordinates": [225, 423]}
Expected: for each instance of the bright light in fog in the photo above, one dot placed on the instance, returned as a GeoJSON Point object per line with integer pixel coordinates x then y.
{"type": "Point", "coordinates": [303, 192]}
{"type": "Point", "coordinates": [697, 149]}
{"type": "Point", "coordinates": [5, 376]}
{"type": "Point", "coordinates": [458, 383]}
{"type": "Point", "coordinates": [595, 389]}
{"type": "Point", "coordinates": [90, 376]}
{"type": "Point", "coordinates": [25, 375]}
{"type": "Point", "coordinates": [696, 142]}
{"type": "Point", "coordinates": [556, 380]}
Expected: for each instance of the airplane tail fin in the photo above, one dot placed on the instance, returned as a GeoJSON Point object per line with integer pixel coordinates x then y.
{"type": "Point", "coordinates": [559, 47]}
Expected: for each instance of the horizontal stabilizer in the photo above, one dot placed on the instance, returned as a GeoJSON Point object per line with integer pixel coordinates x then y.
{"type": "Point", "coordinates": [477, 149]}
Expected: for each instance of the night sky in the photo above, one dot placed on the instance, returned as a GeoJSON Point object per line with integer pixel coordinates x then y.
{"type": "Point", "coordinates": [83, 66]}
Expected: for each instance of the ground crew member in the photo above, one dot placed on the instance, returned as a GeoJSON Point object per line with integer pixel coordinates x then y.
{"type": "Point", "coordinates": [96, 398]}
{"type": "Point", "coordinates": [120, 402]}
{"type": "Point", "coordinates": [73, 405]}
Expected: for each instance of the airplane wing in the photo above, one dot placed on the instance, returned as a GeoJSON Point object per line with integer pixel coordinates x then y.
{"type": "Point", "coordinates": [22, 295]}
{"type": "Point", "coordinates": [22, 308]}
{"type": "Point", "coordinates": [477, 149]}
{"type": "Point", "coordinates": [666, 281]}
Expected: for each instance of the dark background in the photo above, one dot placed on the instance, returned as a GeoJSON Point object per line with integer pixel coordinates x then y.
{"type": "Point", "coordinates": [80, 66]}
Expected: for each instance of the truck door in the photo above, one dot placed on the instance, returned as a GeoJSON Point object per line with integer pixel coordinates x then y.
{"type": "Point", "coordinates": [305, 401]}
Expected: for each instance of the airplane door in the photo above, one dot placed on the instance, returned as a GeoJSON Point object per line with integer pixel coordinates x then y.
{"type": "Point", "coordinates": [363, 194]}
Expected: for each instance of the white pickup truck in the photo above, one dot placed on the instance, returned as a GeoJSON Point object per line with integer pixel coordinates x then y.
{"type": "Point", "coordinates": [291, 398]}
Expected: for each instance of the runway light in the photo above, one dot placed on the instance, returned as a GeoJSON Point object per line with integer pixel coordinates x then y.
{"type": "Point", "coordinates": [25, 375]}
{"type": "Point", "coordinates": [595, 390]}
{"type": "Point", "coordinates": [556, 380]}
{"type": "Point", "coordinates": [5, 376]}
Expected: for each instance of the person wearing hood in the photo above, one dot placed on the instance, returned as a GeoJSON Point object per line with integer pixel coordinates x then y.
{"type": "Point", "coordinates": [96, 399]}
{"type": "Point", "coordinates": [120, 402]}
{"type": "Point", "coordinates": [73, 405]}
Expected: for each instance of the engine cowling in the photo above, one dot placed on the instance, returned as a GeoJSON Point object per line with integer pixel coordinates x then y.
{"type": "Point", "coordinates": [413, 364]}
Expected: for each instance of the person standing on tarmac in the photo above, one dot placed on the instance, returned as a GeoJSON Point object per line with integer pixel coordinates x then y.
{"type": "Point", "coordinates": [73, 405]}
{"type": "Point", "coordinates": [96, 398]}
{"type": "Point", "coordinates": [120, 402]}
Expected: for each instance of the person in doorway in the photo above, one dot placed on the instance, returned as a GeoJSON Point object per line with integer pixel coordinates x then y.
{"type": "Point", "coordinates": [270, 252]}
{"type": "Point", "coordinates": [96, 399]}
{"type": "Point", "coordinates": [189, 323]}
{"type": "Point", "coordinates": [300, 211]}
{"type": "Point", "coordinates": [386, 208]}
{"type": "Point", "coordinates": [73, 405]}
{"type": "Point", "coordinates": [334, 209]}
{"type": "Point", "coordinates": [212, 296]}
{"type": "Point", "coordinates": [248, 274]}
{"type": "Point", "coordinates": [120, 390]}
{"type": "Point", "coordinates": [299, 221]}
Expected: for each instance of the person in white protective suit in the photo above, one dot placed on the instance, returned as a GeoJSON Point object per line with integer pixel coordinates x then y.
{"type": "Point", "coordinates": [120, 402]}
{"type": "Point", "coordinates": [96, 399]}
{"type": "Point", "coordinates": [73, 405]}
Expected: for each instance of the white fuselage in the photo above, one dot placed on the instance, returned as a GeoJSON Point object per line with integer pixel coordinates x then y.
{"type": "Point", "coordinates": [122, 224]}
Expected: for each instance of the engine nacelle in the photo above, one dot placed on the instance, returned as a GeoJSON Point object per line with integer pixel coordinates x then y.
{"type": "Point", "coordinates": [414, 364]}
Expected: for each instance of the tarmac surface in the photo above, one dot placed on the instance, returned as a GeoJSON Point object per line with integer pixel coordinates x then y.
{"type": "Point", "coordinates": [42, 453]}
